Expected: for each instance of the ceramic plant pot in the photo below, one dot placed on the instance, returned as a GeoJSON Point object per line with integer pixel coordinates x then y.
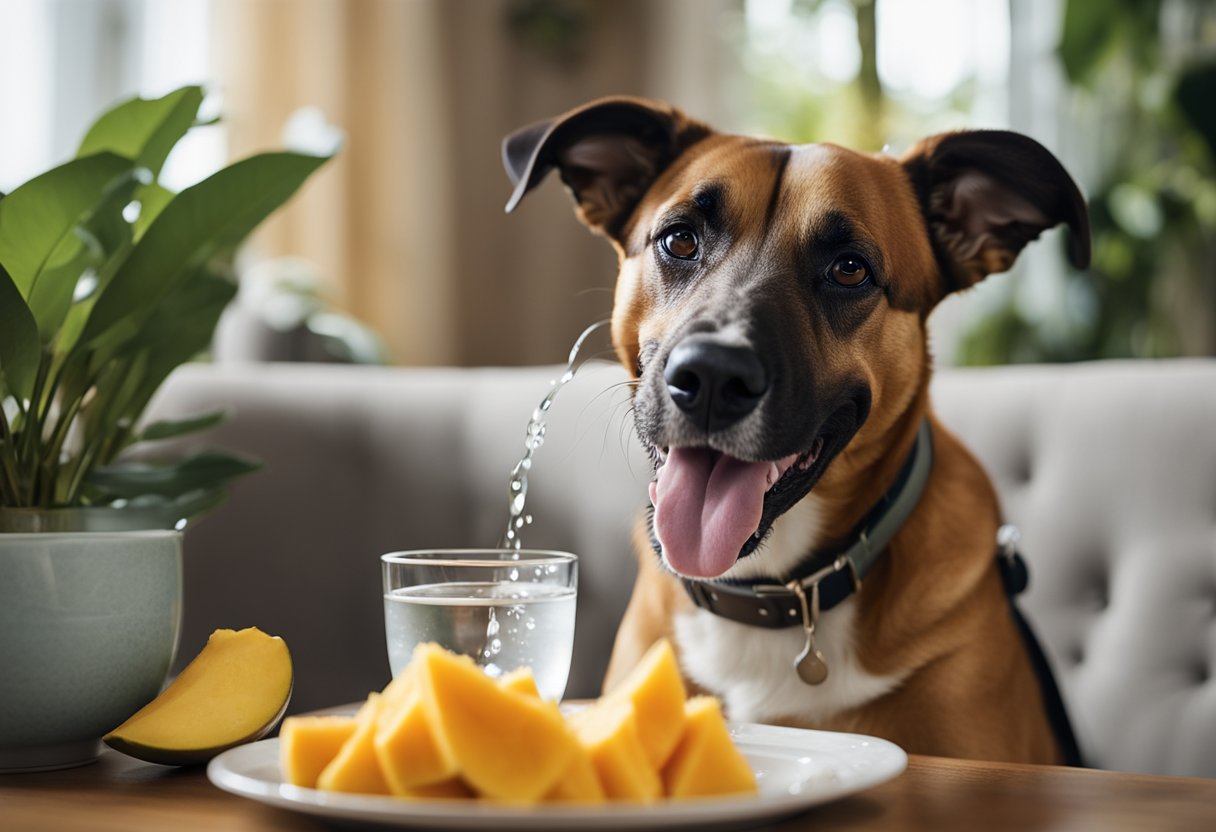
{"type": "Point", "coordinates": [89, 623]}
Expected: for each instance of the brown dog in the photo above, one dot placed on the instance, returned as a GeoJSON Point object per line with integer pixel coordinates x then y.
{"type": "Point", "coordinates": [772, 302]}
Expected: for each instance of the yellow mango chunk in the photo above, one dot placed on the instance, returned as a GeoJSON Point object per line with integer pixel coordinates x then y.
{"type": "Point", "coordinates": [706, 762]}
{"type": "Point", "coordinates": [234, 691]}
{"type": "Point", "coordinates": [409, 754]}
{"type": "Point", "coordinates": [656, 689]}
{"type": "Point", "coordinates": [507, 746]}
{"type": "Point", "coordinates": [579, 784]}
{"type": "Point", "coordinates": [307, 744]}
{"type": "Point", "coordinates": [609, 733]}
{"type": "Point", "coordinates": [355, 768]}
{"type": "Point", "coordinates": [522, 681]}
{"type": "Point", "coordinates": [398, 689]}
{"type": "Point", "coordinates": [451, 789]}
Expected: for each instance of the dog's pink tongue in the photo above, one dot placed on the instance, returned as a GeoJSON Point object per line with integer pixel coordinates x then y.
{"type": "Point", "coordinates": [706, 506]}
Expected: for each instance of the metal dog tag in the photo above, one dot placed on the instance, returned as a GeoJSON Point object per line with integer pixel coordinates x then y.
{"type": "Point", "coordinates": [810, 664]}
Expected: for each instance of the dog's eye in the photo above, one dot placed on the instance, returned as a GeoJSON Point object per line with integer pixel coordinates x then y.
{"type": "Point", "coordinates": [680, 242]}
{"type": "Point", "coordinates": [849, 271]}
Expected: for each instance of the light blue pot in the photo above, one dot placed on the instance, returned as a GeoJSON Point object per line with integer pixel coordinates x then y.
{"type": "Point", "coordinates": [89, 623]}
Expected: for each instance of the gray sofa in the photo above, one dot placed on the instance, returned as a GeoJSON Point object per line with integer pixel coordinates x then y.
{"type": "Point", "coordinates": [1108, 468]}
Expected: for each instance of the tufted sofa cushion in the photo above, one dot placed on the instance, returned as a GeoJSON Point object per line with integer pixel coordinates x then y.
{"type": "Point", "coordinates": [1109, 469]}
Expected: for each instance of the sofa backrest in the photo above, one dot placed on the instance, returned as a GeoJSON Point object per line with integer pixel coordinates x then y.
{"type": "Point", "coordinates": [1109, 470]}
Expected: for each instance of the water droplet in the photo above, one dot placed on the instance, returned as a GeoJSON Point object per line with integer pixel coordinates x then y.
{"type": "Point", "coordinates": [513, 575]}
{"type": "Point", "coordinates": [530, 623]}
{"type": "Point", "coordinates": [495, 646]}
{"type": "Point", "coordinates": [534, 437]}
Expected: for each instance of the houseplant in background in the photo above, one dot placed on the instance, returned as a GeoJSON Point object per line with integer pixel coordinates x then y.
{"type": "Point", "coordinates": [108, 281]}
{"type": "Point", "coordinates": [1146, 73]}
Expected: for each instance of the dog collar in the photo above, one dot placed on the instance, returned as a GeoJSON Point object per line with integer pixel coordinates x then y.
{"type": "Point", "coordinates": [828, 578]}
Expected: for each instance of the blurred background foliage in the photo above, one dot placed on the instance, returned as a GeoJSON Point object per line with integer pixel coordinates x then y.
{"type": "Point", "coordinates": [1148, 69]}
{"type": "Point", "coordinates": [1140, 88]}
{"type": "Point", "coordinates": [1122, 91]}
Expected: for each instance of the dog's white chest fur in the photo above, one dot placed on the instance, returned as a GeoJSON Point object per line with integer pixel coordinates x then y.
{"type": "Point", "coordinates": [752, 668]}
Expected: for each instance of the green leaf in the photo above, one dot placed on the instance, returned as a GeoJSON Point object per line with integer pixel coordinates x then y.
{"type": "Point", "coordinates": [106, 415]}
{"type": "Point", "coordinates": [36, 216]}
{"type": "Point", "coordinates": [152, 200]}
{"type": "Point", "coordinates": [180, 329]}
{"type": "Point", "coordinates": [1087, 31]}
{"type": "Point", "coordinates": [145, 130]}
{"type": "Point", "coordinates": [101, 233]}
{"type": "Point", "coordinates": [19, 348]}
{"type": "Point", "coordinates": [172, 428]}
{"type": "Point", "coordinates": [105, 228]}
{"type": "Point", "coordinates": [203, 220]}
{"type": "Point", "coordinates": [201, 471]}
{"type": "Point", "coordinates": [51, 297]}
{"type": "Point", "coordinates": [1193, 95]}
{"type": "Point", "coordinates": [152, 511]}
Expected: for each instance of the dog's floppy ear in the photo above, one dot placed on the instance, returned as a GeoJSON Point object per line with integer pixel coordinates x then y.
{"type": "Point", "coordinates": [986, 194]}
{"type": "Point", "coordinates": [608, 153]}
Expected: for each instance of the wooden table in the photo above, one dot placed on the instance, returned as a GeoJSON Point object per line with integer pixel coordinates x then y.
{"type": "Point", "coordinates": [124, 795]}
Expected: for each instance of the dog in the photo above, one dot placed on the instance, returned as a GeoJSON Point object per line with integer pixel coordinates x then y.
{"type": "Point", "coordinates": [820, 549]}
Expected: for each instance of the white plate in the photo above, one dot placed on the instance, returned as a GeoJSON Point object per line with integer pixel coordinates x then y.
{"type": "Point", "coordinates": [796, 769]}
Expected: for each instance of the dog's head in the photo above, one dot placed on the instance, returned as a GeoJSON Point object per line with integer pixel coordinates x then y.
{"type": "Point", "coordinates": [772, 298]}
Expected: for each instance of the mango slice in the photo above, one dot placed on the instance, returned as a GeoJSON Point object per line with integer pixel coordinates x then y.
{"type": "Point", "coordinates": [451, 789]}
{"type": "Point", "coordinates": [234, 691]}
{"type": "Point", "coordinates": [443, 729]}
{"type": "Point", "coordinates": [409, 753]}
{"type": "Point", "coordinates": [579, 784]}
{"type": "Point", "coordinates": [608, 731]}
{"type": "Point", "coordinates": [706, 762]}
{"type": "Point", "coordinates": [507, 746]}
{"type": "Point", "coordinates": [307, 744]}
{"type": "Point", "coordinates": [522, 681]}
{"type": "Point", "coordinates": [656, 689]}
{"type": "Point", "coordinates": [399, 688]}
{"type": "Point", "coordinates": [355, 768]}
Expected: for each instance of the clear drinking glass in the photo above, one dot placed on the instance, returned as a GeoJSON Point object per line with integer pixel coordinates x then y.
{"type": "Point", "coordinates": [504, 608]}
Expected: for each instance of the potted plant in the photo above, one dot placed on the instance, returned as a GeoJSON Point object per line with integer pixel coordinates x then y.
{"type": "Point", "coordinates": [108, 281]}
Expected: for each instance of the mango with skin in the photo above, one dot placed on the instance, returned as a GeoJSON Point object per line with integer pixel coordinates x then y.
{"type": "Point", "coordinates": [235, 691]}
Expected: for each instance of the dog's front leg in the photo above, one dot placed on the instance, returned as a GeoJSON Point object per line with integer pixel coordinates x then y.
{"type": "Point", "coordinates": [657, 598]}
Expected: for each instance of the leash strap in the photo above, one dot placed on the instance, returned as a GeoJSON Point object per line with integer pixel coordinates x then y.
{"type": "Point", "coordinates": [1016, 577]}
{"type": "Point", "coordinates": [833, 577]}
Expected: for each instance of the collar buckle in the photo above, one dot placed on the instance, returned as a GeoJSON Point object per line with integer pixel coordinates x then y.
{"type": "Point", "coordinates": [841, 563]}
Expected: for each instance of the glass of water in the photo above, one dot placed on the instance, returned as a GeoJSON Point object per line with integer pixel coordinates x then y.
{"type": "Point", "coordinates": [505, 608]}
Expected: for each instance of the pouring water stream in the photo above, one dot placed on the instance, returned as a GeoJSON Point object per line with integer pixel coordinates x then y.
{"type": "Point", "coordinates": [534, 437]}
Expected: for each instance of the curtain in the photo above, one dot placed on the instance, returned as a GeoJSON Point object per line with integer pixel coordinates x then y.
{"type": "Point", "coordinates": [407, 222]}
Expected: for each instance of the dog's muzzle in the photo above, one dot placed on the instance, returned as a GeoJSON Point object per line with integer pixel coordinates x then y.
{"type": "Point", "coordinates": [713, 383]}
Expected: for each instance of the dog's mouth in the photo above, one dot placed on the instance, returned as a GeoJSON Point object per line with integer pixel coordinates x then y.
{"type": "Point", "coordinates": [711, 509]}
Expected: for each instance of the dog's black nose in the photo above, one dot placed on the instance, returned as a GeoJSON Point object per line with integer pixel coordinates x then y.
{"type": "Point", "coordinates": [716, 384]}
